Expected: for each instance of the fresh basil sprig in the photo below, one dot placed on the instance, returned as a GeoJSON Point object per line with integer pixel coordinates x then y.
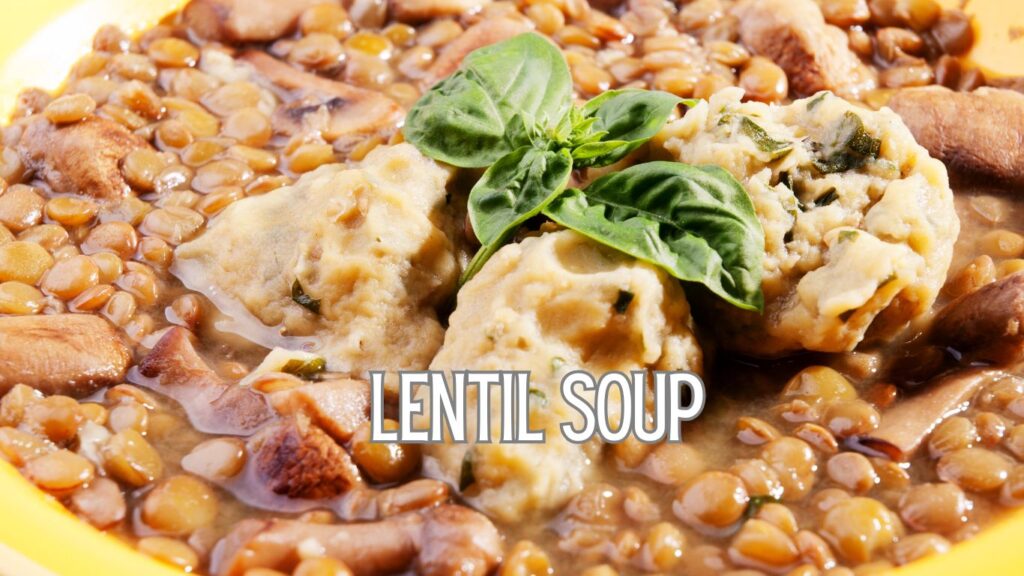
{"type": "Point", "coordinates": [509, 108]}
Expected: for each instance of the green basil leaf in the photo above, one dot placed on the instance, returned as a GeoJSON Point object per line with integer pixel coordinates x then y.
{"type": "Point", "coordinates": [300, 297]}
{"type": "Point", "coordinates": [696, 222]}
{"type": "Point", "coordinates": [590, 152]}
{"type": "Point", "coordinates": [629, 117]}
{"type": "Point", "coordinates": [775, 148]}
{"type": "Point", "coordinates": [304, 368]}
{"type": "Point", "coordinates": [477, 115]}
{"type": "Point", "coordinates": [848, 146]}
{"type": "Point", "coordinates": [513, 190]}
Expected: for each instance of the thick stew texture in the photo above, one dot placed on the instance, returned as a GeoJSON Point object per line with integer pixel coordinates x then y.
{"type": "Point", "coordinates": [217, 228]}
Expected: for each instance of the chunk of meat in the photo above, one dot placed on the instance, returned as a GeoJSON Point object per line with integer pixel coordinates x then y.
{"type": "Point", "coordinates": [349, 110]}
{"type": "Point", "coordinates": [442, 541]}
{"type": "Point", "coordinates": [905, 426]}
{"type": "Point", "coordinates": [987, 324]}
{"type": "Point", "coordinates": [82, 158]}
{"type": "Point", "coordinates": [414, 11]}
{"type": "Point", "coordinates": [69, 354]}
{"type": "Point", "coordinates": [337, 406]}
{"type": "Point", "coordinates": [978, 132]}
{"type": "Point", "coordinates": [815, 55]}
{"type": "Point", "coordinates": [295, 458]}
{"type": "Point", "coordinates": [175, 369]}
{"type": "Point", "coordinates": [483, 33]}
{"type": "Point", "coordinates": [245, 20]}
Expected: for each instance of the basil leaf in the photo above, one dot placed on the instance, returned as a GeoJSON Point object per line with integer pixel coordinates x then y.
{"type": "Point", "coordinates": [775, 148]}
{"type": "Point", "coordinates": [629, 118]}
{"type": "Point", "coordinates": [478, 114]}
{"type": "Point", "coordinates": [300, 297]}
{"type": "Point", "coordinates": [849, 146]}
{"type": "Point", "coordinates": [696, 222]}
{"type": "Point", "coordinates": [513, 190]}
{"type": "Point", "coordinates": [304, 368]}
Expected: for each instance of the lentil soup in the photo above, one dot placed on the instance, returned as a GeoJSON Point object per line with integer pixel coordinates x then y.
{"type": "Point", "coordinates": [215, 230]}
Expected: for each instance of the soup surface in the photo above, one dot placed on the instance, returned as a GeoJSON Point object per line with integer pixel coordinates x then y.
{"type": "Point", "coordinates": [236, 180]}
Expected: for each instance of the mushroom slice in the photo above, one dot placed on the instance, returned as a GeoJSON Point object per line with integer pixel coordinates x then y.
{"type": "Point", "coordinates": [297, 459]}
{"type": "Point", "coordinates": [337, 406]}
{"type": "Point", "coordinates": [905, 427]}
{"type": "Point", "coordinates": [350, 110]}
{"type": "Point", "coordinates": [815, 55]}
{"type": "Point", "coordinates": [977, 132]}
{"type": "Point", "coordinates": [448, 539]}
{"type": "Point", "coordinates": [421, 10]}
{"type": "Point", "coordinates": [214, 406]}
{"type": "Point", "coordinates": [987, 324]}
{"type": "Point", "coordinates": [82, 158]}
{"type": "Point", "coordinates": [244, 20]}
{"type": "Point", "coordinates": [69, 354]}
{"type": "Point", "coordinates": [483, 33]}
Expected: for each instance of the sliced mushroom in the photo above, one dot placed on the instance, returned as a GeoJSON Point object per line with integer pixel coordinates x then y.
{"type": "Point", "coordinates": [442, 541]}
{"type": "Point", "coordinates": [175, 369]}
{"type": "Point", "coordinates": [350, 110]}
{"type": "Point", "coordinates": [985, 325]}
{"type": "Point", "coordinates": [421, 10]}
{"type": "Point", "coordinates": [815, 55]}
{"type": "Point", "coordinates": [483, 33]}
{"type": "Point", "coordinates": [245, 20]}
{"type": "Point", "coordinates": [69, 354]}
{"type": "Point", "coordinates": [906, 426]}
{"type": "Point", "coordinates": [82, 158]}
{"type": "Point", "coordinates": [977, 132]}
{"type": "Point", "coordinates": [337, 406]}
{"type": "Point", "coordinates": [297, 459]}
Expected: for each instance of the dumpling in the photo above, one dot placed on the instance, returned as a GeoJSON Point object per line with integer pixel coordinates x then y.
{"type": "Point", "coordinates": [859, 220]}
{"type": "Point", "coordinates": [552, 304]}
{"type": "Point", "coordinates": [347, 263]}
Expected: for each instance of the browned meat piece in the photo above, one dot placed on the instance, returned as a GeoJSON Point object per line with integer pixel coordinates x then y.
{"type": "Point", "coordinates": [457, 540]}
{"type": "Point", "coordinates": [81, 158]}
{"type": "Point", "coordinates": [350, 110]}
{"type": "Point", "coordinates": [987, 324]}
{"type": "Point", "coordinates": [815, 55]}
{"type": "Point", "coordinates": [69, 354]}
{"type": "Point", "coordinates": [442, 541]}
{"type": "Point", "coordinates": [337, 406]}
{"type": "Point", "coordinates": [421, 10]}
{"type": "Point", "coordinates": [175, 369]}
{"type": "Point", "coordinates": [245, 20]}
{"type": "Point", "coordinates": [484, 33]}
{"type": "Point", "coordinates": [297, 459]}
{"type": "Point", "coordinates": [905, 426]}
{"type": "Point", "coordinates": [980, 132]}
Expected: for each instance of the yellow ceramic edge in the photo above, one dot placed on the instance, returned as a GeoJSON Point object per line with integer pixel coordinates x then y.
{"type": "Point", "coordinates": [36, 528]}
{"type": "Point", "coordinates": [38, 537]}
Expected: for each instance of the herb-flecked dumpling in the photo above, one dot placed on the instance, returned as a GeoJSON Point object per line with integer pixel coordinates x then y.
{"type": "Point", "coordinates": [347, 263]}
{"type": "Point", "coordinates": [550, 305]}
{"type": "Point", "coordinates": [858, 219]}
